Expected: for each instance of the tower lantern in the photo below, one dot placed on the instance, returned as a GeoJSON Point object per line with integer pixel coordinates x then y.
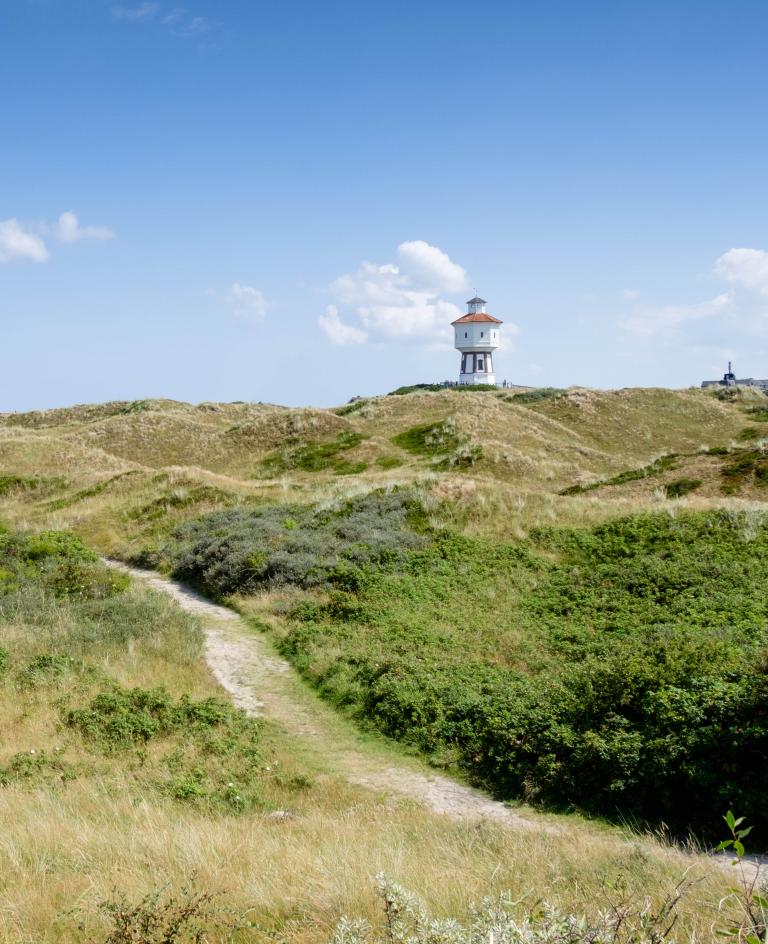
{"type": "Point", "coordinates": [476, 336]}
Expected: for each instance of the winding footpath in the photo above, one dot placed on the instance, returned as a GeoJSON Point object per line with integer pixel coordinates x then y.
{"type": "Point", "coordinates": [264, 684]}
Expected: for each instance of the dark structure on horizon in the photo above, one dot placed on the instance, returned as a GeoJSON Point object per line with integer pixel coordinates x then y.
{"type": "Point", "coordinates": [730, 380]}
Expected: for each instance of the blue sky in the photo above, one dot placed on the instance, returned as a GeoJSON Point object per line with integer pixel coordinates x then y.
{"type": "Point", "coordinates": [289, 202]}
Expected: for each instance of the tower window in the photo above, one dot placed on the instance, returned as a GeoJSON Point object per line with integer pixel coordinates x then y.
{"type": "Point", "coordinates": [482, 333]}
{"type": "Point", "coordinates": [465, 334]}
{"type": "Point", "coordinates": [480, 365]}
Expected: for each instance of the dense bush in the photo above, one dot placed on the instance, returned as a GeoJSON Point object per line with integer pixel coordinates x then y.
{"type": "Point", "coordinates": [681, 487]}
{"type": "Point", "coordinates": [121, 718]}
{"type": "Point", "coordinates": [627, 677]}
{"type": "Point", "coordinates": [243, 549]}
{"type": "Point", "coordinates": [57, 560]}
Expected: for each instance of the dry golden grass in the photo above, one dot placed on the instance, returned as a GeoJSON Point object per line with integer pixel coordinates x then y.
{"type": "Point", "coordinates": [66, 851]}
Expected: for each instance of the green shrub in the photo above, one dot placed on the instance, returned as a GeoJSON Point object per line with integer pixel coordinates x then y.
{"type": "Point", "coordinates": [136, 406]}
{"type": "Point", "coordinates": [34, 767]}
{"type": "Point", "coordinates": [122, 718]}
{"type": "Point", "coordinates": [442, 442]}
{"type": "Point", "coordinates": [536, 396]}
{"type": "Point", "coordinates": [744, 468]}
{"type": "Point", "coordinates": [11, 484]}
{"type": "Point", "coordinates": [353, 407]}
{"type": "Point", "coordinates": [749, 433]}
{"type": "Point", "coordinates": [312, 457]}
{"type": "Point", "coordinates": [604, 675]}
{"type": "Point", "coordinates": [58, 544]}
{"type": "Point", "coordinates": [681, 487]}
{"type": "Point", "coordinates": [242, 549]}
{"type": "Point", "coordinates": [47, 668]}
{"type": "Point", "coordinates": [389, 462]}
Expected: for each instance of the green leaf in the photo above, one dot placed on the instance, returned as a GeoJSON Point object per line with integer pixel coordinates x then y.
{"type": "Point", "coordinates": [730, 820]}
{"type": "Point", "coordinates": [760, 901]}
{"type": "Point", "coordinates": [739, 821]}
{"type": "Point", "coordinates": [738, 848]}
{"type": "Point", "coordinates": [723, 845]}
{"type": "Point", "coordinates": [744, 832]}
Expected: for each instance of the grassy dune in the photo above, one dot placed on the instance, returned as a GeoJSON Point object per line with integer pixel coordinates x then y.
{"type": "Point", "coordinates": [488, 467]}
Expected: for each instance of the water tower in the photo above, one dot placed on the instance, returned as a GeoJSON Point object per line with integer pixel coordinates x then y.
{"type": "Point", "coordinates": [477, 337]}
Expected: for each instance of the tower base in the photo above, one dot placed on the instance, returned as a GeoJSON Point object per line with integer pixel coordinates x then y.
{"type": "Point", "coordinates": [477, 378]}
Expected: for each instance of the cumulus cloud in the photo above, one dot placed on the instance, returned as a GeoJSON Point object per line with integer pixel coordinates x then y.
{"type": "Point", "coordinates": [69, 230]}
{"type": "Point", "coordinates": [399, 299]}
{"type": "Point", "coordinates": [18, 243]}
{"type": "Point", "coordinates": [337, 331]}
{"type": "Point", "coordinates": [247, 302]}
{"type": "Point", "coordinates": [747, 268]}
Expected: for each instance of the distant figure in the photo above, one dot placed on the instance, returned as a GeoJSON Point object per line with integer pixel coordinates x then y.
{"type": "Point", "coordinates": [477, 337]}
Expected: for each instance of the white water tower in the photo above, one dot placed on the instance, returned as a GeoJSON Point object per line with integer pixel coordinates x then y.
{"type": "Point", "coordinates": [477, 337]}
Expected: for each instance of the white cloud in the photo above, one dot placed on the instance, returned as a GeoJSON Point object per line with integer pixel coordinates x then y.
{"type": "Point", "coordinates": [339, 332]}
{"type": "Point", "coordinates": [17, 243]}
{"type": "Point", "coordinates": [630, 294]}
{"type": "Point", "coordinates": [747, 268]}
{"type": "Point", "coordinates": [69, 230]}
{"type": "Point", "coordinates": [653, 321]}
{"type": "Point", "coordinates": [144, 11]}
{"type": "Point", "coordinates": [430, 268]}
{"type": "Point", "coordinates": [247, 303]}
{"type": "Point", "coordinates": [400, 299]}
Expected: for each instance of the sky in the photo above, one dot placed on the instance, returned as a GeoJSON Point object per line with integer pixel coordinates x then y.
{"type": "Point", "coordinates": [290, 202]}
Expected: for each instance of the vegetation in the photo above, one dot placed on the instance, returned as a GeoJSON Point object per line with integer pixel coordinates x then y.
{"type": "Point", "coordinates": [598, 665]}
{"type": "Point", "coordinates": [316, 457]}
{"type": "Point", "coordinates": [681, 487]}
{"type": "Point", "coordinates": [748, 466]}
{"type": "Point", "coordinates": [354, 406]}
{"type": "Point", "coordinates": [246, 549]}
{"type": "Point", "coordinates": [537, 395]}
{"type": "Point", "coordinates": [414, 388]}
{"type": "Point", "coordinates": [442, 442]}
{"type": "Point", "coordinates": [605, 679]}
{"type": "Point", "coordinates": [662, 464]}
{"type": "Point", "coordinates": [438, 388]}
{"type": "Point", "coordinates": [406, 920]}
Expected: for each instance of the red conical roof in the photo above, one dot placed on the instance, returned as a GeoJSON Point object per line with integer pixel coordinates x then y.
{"type": "Point", "coordinates": [477, 316]}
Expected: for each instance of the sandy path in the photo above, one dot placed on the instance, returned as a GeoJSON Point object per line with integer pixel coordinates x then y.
{"type": "Point", "coordinates": [262, 683]}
